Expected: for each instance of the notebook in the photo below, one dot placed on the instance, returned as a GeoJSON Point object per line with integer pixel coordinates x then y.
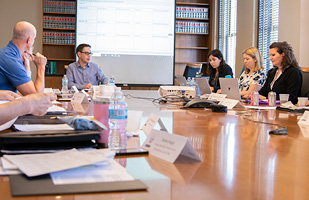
{"type": "Point", "coordinates": [229, 86]}
{"type": "Point", "coordinates": [181, 80]}
{"type": "Point", "coordinates": [203, 85]}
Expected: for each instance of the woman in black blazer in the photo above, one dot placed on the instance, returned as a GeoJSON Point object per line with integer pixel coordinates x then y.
{"type": "Point", "coordinates": [285, 77]}
{"type": "Point", "coordinates": [217, 68]}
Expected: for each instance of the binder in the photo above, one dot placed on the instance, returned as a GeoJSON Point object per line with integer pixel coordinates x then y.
{"type": "Point", "coordinates": [21, 185]}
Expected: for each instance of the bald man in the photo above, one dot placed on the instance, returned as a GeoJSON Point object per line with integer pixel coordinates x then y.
{"type": "Point", "coordinates": [14, 62]}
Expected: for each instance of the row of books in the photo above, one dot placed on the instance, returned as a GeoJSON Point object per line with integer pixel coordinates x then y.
{"type": "Point", "coordinates": [51, 67]}
{"type": "Point", "coordinates": [50, 37]}
{"type": "Point", "coordinates": [191, 12]}
{"type": "Point", "coordinates": [59, 22]}
{"type": "Point", "coordinates": [192, 27]}
{"type": "Point", "coordinates": [59, 6]}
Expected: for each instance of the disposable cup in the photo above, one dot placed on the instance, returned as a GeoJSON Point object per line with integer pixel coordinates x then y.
{"type": "Point", "coordinates": [302, 101]}
{"type": "Point", "coordinates": [284, 98]}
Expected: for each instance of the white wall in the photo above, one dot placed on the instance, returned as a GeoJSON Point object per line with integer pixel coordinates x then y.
{"type": "Point", "coordinates": [304, 34]}
{"type": "Point", "coordinates": [247, 28]}
{"type": "Point", "coordinates": [13, 11]}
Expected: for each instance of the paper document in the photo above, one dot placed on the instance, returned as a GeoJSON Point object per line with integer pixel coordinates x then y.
{"type": "Point", "coordinates": [106, 171]}
{"type": "Point", "coordinates": [7, 168]}
{"type": "Point", "coordinates": [55, 108]}
{"type": "Point", "coordinates": [39, 164]}
{"type": "Point", "coordinates": [261, 107]}
{"type": "Point", "coordinates": [42, 127]}
{"type": "Point", "coordinates": [9, 123]}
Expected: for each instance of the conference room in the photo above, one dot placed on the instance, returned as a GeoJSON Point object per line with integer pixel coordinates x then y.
{"type": "Point", "coordinates": [219, 155]}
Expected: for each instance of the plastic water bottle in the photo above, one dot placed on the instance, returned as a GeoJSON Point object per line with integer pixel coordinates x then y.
{"type": "Point", "coordinates": [189, 81]}
{"type": "Point", "coordinates": [112, 80]}
{"type": "Point", "coordinates": [118, 113]}
{"type": "Point", "coordinates": [195, 86]}
{"type": "Point", "coordinates": [65, 83]}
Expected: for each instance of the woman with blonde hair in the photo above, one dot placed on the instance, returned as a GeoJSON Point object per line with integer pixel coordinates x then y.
{"type": "Point", "coordinates": [254, 76]}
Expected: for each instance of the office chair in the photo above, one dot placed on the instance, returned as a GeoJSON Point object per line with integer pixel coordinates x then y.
{"type": "Point", "coordinates": [190, 70]}
{"type": "Point", "coordinates": [305, 85]}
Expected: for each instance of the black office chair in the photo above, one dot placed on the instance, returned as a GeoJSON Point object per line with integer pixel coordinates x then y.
{"type": "Point", "coordinates": [305, 85]}
{"type": "Point", "coordinates": [190, 71]}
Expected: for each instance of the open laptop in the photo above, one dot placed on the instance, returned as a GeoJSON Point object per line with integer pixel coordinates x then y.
{"type": "Point", "coordinates": [229, 86]}
{"type": "Point", "coordinates": [181, 80]}
{"type": "Point", "coordinates": [203, 85]}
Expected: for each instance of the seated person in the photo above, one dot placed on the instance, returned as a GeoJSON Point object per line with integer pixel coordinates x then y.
{"type": "Point", "coordinates": [14, 62]}
{"type": "Point", "coordinates": [285, 77]}
{"type": "Point", "coordinates": [217, 68]}
{"type": "Point", "coordinates": [253, 77]}
{"type": "Point", "coordinates": [83, 73]}
{"type": "Point", "coordinates": [36, 104]}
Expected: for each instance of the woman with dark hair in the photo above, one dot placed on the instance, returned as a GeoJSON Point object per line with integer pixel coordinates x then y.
{"type": "Point", "coordinates": [217, 68]}
{"type": "Point", "coordinates": [285, 77]}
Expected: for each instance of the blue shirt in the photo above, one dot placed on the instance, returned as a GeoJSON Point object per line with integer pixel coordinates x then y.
{"type": "Point", "coordinates": [79, 76]}
{"type": "Point", "coordinates": [12, 69]}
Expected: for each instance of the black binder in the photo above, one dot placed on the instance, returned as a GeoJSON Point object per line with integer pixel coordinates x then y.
{"type": "Point", "coordinates": [47, 140]}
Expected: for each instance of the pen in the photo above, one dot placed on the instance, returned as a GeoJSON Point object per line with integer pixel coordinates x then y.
{"type": "Point", "coordinates": [29, 53]}
{"type": "Point", "coordinates": [57, 113]}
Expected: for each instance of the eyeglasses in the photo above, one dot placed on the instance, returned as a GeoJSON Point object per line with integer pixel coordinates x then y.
{"type": "Point", "coordinates": [87, 53]}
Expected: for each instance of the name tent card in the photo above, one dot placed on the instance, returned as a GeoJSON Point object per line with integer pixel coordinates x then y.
{"type": "Point", "coordinates": [151, 122]}
{"type": "Point", "coordinates": [304, 120]}
{"type": "Point", "coordinates": [216, 96]}
{"type": "Point", "coordinates": [80, 98]}
{"type": "Point", "coordinates": [169, 146]}
{"type": "Point", "coordinates": [75, 89]}
{"type": "Point", "coordinates": [231, 103]}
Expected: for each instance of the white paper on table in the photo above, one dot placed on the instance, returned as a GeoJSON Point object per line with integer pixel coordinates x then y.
{"type": "Point", "coordinates": [55, 108]}
{"type": "Point", "coordinates": [7, 164]}
{"type": "Point", "coordinates": [9, 123]}
{"type": "Point", "coordinates": [56, 102]}
{"type": "Point", "coordinates": [39, 164]}
{"type": "Point", "coordinates": [106, 171]}
{"type": "Point", "coordinates": [42, 127]}
{"type": "Point", "coordinates": [261, 107]}
{"type": "Point", "coordinates": [4, 171]}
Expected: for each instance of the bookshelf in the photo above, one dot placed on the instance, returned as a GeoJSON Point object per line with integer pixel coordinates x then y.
{"type": "Point", "coordinates": [193, 33]}
{"type": "Point", "coordinates": [58, 23]}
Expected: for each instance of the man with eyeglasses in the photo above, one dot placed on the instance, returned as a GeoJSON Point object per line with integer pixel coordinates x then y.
{"type": "Point", "coordinates": [83, 73]}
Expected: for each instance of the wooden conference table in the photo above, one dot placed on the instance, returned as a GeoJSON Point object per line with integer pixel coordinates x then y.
{"type": "Point", "coordinates": [240, 159]}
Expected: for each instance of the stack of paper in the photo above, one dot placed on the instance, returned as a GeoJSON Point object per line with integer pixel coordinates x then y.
{"type": "Point", "coordinates": [69, 167]}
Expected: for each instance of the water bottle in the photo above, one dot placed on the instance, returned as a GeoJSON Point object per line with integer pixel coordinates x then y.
{"type": "Point", "coordinates": [118, 113]}
{"type": "Point", "coordinates": [189, 81]}
{"type": "Point", "coordinates": [112, 80]}
{"type": "Point", "coordinates": [195, 86]}
{"type": "Point", "coordinates": [65, 83]}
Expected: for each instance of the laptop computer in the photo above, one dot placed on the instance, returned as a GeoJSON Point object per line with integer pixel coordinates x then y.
{"type": "Point", "coordinates": [181, 80]}
{"type": "Point", "coordinates": [229, 86]}
{"type": "Point", "coordinates": [203, 85]}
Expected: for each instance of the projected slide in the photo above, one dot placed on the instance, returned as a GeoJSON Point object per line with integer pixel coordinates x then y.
{"type": "Point", "coordinates": [131, 39]}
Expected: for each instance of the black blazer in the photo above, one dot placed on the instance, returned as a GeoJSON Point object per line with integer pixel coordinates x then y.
{"type": "Point", "coordinates": [226, 70]}
{"type": "Point", "coordinates": [289, 82]}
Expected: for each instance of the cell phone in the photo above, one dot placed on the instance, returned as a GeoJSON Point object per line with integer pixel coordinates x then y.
{"type": "Point", "coordinates": [130, 152]}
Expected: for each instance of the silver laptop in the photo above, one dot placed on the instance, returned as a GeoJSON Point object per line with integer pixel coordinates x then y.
{"type": "Point", "coordinates": [181, 80]}
{"type": "Point", "coordinates": [203, 85]}
{"type": "Point", "coordinates": [229, 86]}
